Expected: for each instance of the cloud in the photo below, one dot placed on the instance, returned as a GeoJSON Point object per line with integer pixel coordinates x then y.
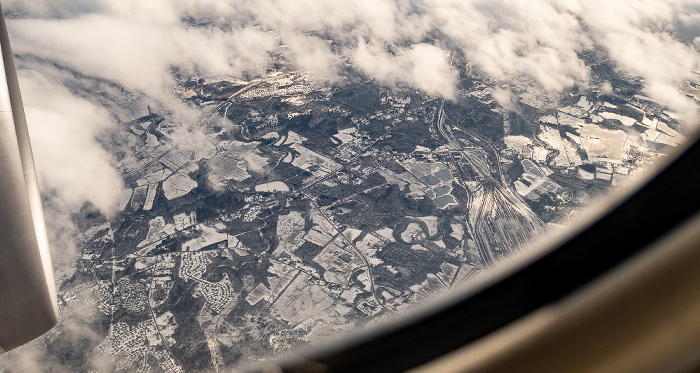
{"type": "Point", "coordinates": [423, 66]}
{"type": "Point", "coordinates": [641, 39]}
{"type": "Point", "coordinates": [312, 54]}
{"type": "Point", "coordinates": [139, 55]}
{"type": "Point", "coordinates": [64, 130]}
{"type": "Point", "coordinates": [138, 43]}
{"type": "Point", "coordinates": [49, 9]}
{"type": "Point", "coordinates": [507, 39]}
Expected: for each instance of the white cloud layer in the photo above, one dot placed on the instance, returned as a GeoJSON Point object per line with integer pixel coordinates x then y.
{"type": "Point", "coordinates": [140, 55]}
{"type": "Point", "coordinates": [64, 130]}
{"type": "Point", "coordinates": [423, 66]}
{"type": "Point", "coordinates": [137, 44]}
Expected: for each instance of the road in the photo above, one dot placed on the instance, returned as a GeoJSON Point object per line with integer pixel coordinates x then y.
{"type": "Point", "coordinates": [351, 244]}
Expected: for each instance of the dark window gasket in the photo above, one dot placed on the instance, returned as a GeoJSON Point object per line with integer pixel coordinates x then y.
{"type": "Point", "coordinates": [664, 202]}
